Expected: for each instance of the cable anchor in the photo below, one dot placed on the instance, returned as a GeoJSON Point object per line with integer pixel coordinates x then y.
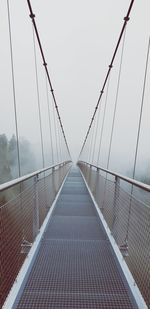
{"type": "Point", "coordinates": [124, 249]}
{"type": "Point", "coordinates": [126, 18]}
{"type": "Point", "coordinates": [25, 246]}
{"type": "Point", "coordinates": [32, 16]}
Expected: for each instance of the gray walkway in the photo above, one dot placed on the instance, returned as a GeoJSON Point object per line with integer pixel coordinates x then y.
{"type": "Point", "coordinates": [75, 266]}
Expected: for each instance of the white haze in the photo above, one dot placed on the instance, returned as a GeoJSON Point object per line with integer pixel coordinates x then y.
{"type": "Point", "coordinates": [78, 38]}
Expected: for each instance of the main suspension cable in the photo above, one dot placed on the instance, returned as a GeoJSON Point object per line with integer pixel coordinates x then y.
{"type": "Point", "coordinates": [126, 19]}
{"type": "Point", "coordinates": [32, 16]}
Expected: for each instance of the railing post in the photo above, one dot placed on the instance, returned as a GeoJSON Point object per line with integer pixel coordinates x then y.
{"type": "Point", "coordinates": [36, 208]}
{"type": "Point", "coordinates": [116, 195]}
{"type": "Point", "coordinates": [53, 180]}
{"type": "Point", "coordinates": [117, 185]}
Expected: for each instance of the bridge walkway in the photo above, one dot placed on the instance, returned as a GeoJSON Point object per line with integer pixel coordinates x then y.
{"type": "Point", "coordinates": [75, 266]}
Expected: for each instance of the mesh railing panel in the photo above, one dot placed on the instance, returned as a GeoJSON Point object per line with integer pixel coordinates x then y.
{"type": "Point", "coordinates": [129, 222]}
{"type": "Point", "coordinates": [17, 221]}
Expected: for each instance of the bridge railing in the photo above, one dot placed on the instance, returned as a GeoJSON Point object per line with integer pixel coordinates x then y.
{"type": "Point", "coordinates": [24, 204]}
{"type": "Point", "coordinates": [128, 219]}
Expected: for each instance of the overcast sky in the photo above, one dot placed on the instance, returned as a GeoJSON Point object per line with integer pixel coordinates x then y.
{"type": "Point", "coordinates": [78, 38]}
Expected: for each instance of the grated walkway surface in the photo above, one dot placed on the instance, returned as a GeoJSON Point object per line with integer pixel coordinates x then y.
{"type": "Point", "coordinates": [75, 266]}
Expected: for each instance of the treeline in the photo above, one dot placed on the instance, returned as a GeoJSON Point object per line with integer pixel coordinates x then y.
{"type": "Point", "coordinates": [9, 158]}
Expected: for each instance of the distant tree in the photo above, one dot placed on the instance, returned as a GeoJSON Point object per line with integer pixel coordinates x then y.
{"type": "Point", "coordinates": [9, 162]}
{"type": "Point", "coordinates": [12, 151]}
{"type": "Point", "coordinates": [26, 157]}
{"type": "Point", "coordinates": [9, 158]}
{"type": "Point", "coordinates": [5, 170]}
{"type": "Point", "coordinates": [145, 179]}
{"type": "Point", "coordinates": [13, 156]}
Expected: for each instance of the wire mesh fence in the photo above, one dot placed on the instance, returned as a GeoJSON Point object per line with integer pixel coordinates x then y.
{"type": "Point", "coordinates": [129, 221]}
{"type": "Point", "coordinates": [23, 209]}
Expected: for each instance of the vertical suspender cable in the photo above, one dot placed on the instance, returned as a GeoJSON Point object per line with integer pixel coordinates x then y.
{"type": "Point", "coordinates": [32, 16]}
{"type": "Point", "coordinates": [95, 139]}
{"type": "Point", "coordinates": [126, 19]}
{"type": "Point", "coordinates": [14, 90]}
{"type": "Point", "coordinates": [55, 132]}
{"type": "Point", "coordinates": [16, 119]}
{"type": "Point", "coordinates": [103, 121]}
{"type": "Point", "coordinates": [116, 100]}
{"type": "Point", "coordinates": [138, 136]}
{"type": "Point", "coordinates": [89, 145]}
{"type": "Point", "coordinates": [141, 110]}
{"type": "Point", "coordinates": [59, 140]}
{"type": "Point", "coordinates": [49, 120]}
{"type": "Point", "coordinates": [38, 100]}
{"type": "Point", "coordinates": [92, 139]}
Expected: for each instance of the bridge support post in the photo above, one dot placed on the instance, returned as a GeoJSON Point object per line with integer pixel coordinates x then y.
{"type": "Point", "coordinates": [36, 208]}
{"type": "Point", "coordinates": [117, 185]}
{"type": "Point", "coordinates": [116, 195]}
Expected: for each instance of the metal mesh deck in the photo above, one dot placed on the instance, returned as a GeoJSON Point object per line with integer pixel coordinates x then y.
{"type": "Point", "coordinates": [75, 266]}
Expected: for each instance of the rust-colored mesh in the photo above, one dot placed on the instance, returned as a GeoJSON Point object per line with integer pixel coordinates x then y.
{"type": "Point", "coordinates": [16, 222]}
{"type": "Point", "coordinates": [129, 221]}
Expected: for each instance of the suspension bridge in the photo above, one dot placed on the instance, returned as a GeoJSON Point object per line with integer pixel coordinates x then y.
{"type": "Point", "coordinates": [73, 236]}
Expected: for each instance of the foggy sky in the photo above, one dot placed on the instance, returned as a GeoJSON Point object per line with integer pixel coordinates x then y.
{"type": "Point", "coordinates": [78, 38]}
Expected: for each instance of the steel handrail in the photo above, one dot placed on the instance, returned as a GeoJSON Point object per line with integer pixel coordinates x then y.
{"type": "Point", "coordinates": [134, 182]}
{"type": "Point", "coordinates": [11, 183]}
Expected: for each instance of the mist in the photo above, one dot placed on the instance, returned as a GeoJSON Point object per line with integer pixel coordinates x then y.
{"type": "Point", "coordinates": [78, 39]}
